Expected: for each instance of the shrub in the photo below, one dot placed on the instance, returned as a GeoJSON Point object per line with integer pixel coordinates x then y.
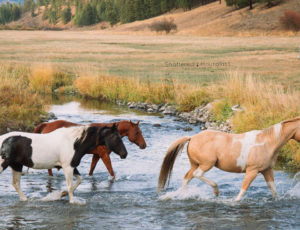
{"type": "Point", "coordinates": [164, 25]}
{"type": "Point", "coordinates": [66, 15]}
{"type": "Point", "coordinates": [41, 80]}
{"type": "Point", "coordinates": [290, 20]}
{"type": "Point", "coordinates": [20, 107]}
{"type": "Point", "coordinates": [222, 110]}
{"type": "Point", "coordinates": [238, 3]}
{"type": "Point", "coordinates": [194, 99]}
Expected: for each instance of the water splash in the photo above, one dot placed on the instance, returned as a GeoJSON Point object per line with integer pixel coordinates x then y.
{"type": "Point", "coordinates": [294, 192]}
{"type": "Point", "coordinates": [186, 194]}
{"type": "Point", "coordinates": [78, 201]}
{"type": "Point", "coordinates": [52, 196]}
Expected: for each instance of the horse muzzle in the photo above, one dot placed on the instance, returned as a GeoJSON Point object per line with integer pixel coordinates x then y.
{"type": "Point", "coordinates": [143, 146]}
{"type": "Point", "coordinates": [123, 156]}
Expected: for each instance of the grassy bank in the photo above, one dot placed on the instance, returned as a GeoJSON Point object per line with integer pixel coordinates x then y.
{"type": "Point", "coordinates": [265, 103]}
{"type": "Point", "coordinates": [22, 90]}
{"type": "Point", "coordinates": [21, 107]}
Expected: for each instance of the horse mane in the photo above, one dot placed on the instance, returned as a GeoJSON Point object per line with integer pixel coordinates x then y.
{"type": "Point", "coordinates": [270, 130]}
{"type": "Point", "coordinates": [291, 120]}
{"type": "Point", "coordinates": [87, 132]}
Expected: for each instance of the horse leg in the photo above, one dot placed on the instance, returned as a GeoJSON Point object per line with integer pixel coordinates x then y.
{"type": "Point", "coordinates": [77, 183]}
{"type": "Point", "coordinates": [94, 163]}
{"type": "Point", "coordinates": [269, 177]}
{"type": "Point", "coordinates": [78, 179]}
{"type": "Point", "coordinates": [69, 180]}
{"type": "Point", "coordinates": [249, 177]}
{"type": "Point", "coordinates": [16, 184]}
{"type": "Point", "coordinates": [107, 162]}
{"type": "Point", "coordinates": [50, 172]}
{"type": "Point", "coordinates": [199, 173]}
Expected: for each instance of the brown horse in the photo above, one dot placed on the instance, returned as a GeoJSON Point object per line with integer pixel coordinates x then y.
{"type": "Point", "coordinates": [251, 152]}
{"type": "Point", "coordinates": [125, 128]}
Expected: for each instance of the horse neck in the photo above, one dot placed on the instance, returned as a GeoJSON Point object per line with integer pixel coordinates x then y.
{"type": "Point", "coordinates": [123, 128]}
{"type": "Point", "coordinates": [285, 133]}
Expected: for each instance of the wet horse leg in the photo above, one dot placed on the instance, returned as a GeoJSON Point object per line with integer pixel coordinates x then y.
{"type": "Point", "coordinates": [106, 160]}
{"type": "Point", "coordinates": [68, 171]}
{"type": "Point", "coordinates": [94, 163]}
{"type": "Point", "coordinates": [16, 184]}
{"type": "Point", "coordinates": [249, 177]}
{"type": "Point", "coordinates": [269, 177]}
{"type": "Point", "coordinates": [189, 175]}
{"type": "Point", "coordinates": [50, 172]}
{"type": "Point", "coordinates": [78, 179]}
{"type": "Point", "coordinates": [199, 173]}
{"type": "Point", "coordinates": [77, 183]}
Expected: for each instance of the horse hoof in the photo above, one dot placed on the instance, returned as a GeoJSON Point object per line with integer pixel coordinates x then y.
{"type": "Point", "coordinates": [216, 192]}
{"type": "Point", "coordinates": [23, 199]}
{"type": "Point", "coordinates": [64, 193]}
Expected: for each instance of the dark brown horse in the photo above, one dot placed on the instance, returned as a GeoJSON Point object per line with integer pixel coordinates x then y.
{"type": "Point", "coordinates": [125, 128]}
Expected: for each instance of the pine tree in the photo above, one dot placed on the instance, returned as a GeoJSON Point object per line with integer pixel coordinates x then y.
{"type": "Point", "coordinates": [111, 14]}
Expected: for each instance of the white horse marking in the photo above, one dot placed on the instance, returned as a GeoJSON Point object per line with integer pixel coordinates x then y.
{"type": "Point", "coordinates": [248, 142]}
{"type": "Point", "coordinates": [241, 194]}
{"type": "Point", "coordinates": [272, 188]}
{"type": "Point", "coordinates": [277, 130]}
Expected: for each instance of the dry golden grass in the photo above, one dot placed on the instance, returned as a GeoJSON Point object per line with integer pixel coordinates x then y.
{"type": "Point", "coordinates": [149, 56]}
{"type": "Point", "coordinates": [20, 107]}
{"type": "Point", "coordinates": [265, 103]}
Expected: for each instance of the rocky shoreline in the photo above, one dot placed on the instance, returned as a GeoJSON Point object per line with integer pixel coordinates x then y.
{"type": "Point", "coordinates": [199, 116]}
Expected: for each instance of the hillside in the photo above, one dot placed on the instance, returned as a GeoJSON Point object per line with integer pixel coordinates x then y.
{"type": "Point", "coordinates": [213, 19]}
{"type": "Point", "coordinates": [218, 19]}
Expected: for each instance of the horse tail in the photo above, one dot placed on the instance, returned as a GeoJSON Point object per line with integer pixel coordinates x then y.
{"type": "Point", "coordinates": [169, 160]}
{"type": "Point", "coordinates": [40, 128]}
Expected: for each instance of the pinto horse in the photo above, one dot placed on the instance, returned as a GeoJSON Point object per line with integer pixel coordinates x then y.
{"type": "Point", "coordinates": [251, 152]}
{"type": "Point", "coordinates": [125, 128]}
{"type": "Point", "coordinates": [62, 148]}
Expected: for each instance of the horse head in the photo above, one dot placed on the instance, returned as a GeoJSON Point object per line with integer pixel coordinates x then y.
{"type": "Point", "coordinates": [135, 135]}
{"type": "Point", "coordinates": [110, 137]}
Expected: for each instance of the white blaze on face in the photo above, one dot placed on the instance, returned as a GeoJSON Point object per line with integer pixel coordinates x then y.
{"type": "Point", "coordinates": [247, 143]}
{"type": "Point", "coordinates": [277, 130]}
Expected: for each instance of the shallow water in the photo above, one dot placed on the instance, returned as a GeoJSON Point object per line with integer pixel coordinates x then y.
{"type": "Point", "coordinates": [131, 201]}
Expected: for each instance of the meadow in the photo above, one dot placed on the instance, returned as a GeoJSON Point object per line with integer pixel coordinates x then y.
{"type": "Point", "coordinates": [259, 73]}
{"type": "Point", "coordinates": [189, 59]}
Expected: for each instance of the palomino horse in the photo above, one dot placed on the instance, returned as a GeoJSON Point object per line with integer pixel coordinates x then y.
{"type": "Point", "coordinates": [125, 128]}
{"type": "Point", "coordinates": [251, 152]}
{"type": "Point", "coordinates": [62, 148]}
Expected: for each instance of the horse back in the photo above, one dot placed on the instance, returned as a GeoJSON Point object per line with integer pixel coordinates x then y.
{"type": "Point", "coordinates": [48, 127]}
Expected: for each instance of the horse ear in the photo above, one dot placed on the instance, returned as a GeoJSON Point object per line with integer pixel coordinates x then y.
{"type": "Point", "coordinates": [138, 123]}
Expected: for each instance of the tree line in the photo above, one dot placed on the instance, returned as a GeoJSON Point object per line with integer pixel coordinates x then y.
{"type": "Point", "coordinates": [89, 12]}
{"type": "Point", "coordinates": [9, 12]}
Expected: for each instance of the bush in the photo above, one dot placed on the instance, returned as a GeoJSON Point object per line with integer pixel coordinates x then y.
{"type": "Point", "coordinates": [164, 25]}
{"type": "Point", "coordinates": [222, 110]}
{"type": "Point", "coordinates": [238, 3]}
{"type": "Point", "coordinates": [66, 15]}
{"type": "Point", "coordinates": [290, 20]}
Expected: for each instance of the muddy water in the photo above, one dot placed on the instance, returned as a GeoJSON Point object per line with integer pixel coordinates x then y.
{"type": "Point", "coordinates": [131, 202]}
